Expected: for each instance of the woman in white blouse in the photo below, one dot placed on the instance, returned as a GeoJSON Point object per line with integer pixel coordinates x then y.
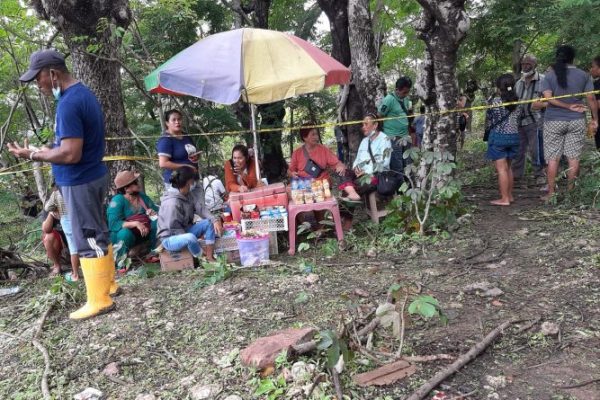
{"type": "Point", "coordinates": [373, 156]}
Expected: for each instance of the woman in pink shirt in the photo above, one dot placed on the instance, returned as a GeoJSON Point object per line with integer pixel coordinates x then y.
{"type": "Point", "coordinates": [319, 154]}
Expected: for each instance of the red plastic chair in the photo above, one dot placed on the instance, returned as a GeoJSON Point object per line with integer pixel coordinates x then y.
{"type": "Point", "coordinates": [295, 209]}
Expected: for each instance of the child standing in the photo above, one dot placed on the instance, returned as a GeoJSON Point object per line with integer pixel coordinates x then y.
{"type": "Point", "coordinates": [502, 129]}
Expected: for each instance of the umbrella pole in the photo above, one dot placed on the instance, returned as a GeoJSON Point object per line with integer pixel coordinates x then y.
{"type": "Point", "coordinates": [255, 136]}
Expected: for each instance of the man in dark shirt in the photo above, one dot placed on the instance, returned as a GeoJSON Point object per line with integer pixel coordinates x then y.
{"type": "Point", "coordinates": [78, 169]}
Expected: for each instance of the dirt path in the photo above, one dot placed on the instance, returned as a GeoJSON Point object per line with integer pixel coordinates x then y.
{"type": "Point", "coordinates": [167, 336]}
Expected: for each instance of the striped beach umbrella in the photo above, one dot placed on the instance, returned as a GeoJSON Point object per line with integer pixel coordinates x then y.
{"type": "Point", "coordinates": [256, 65]}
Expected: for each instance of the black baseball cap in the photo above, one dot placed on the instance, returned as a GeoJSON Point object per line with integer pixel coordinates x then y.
{"type": "Point", "coordinates": [39, 60]}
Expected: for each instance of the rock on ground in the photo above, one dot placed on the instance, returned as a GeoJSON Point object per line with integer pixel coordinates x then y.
{"type": "Point", "coordinates": [201, 392]}
{"type": "Point", "coordinates": [89, 394]}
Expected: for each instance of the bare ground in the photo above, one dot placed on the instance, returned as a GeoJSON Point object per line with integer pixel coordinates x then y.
{"type": "Point", "coordinates": [167, 335]}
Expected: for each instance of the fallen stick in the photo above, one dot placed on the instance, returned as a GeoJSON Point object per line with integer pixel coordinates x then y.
{"type": "Point", "coordinates": [582, 384]}
{"type": "Point", "coordinates": [36, 343]}
{"type": "Point", "coordinates": [459, 363]}
{"type": "Point", "coordinates": [528, 326]}
{"type": "Point", "coordinates": [42, 349]}
{"type": "Point", "coordinates": [433, 357]}
{"type": "Point", "coordinates": [464, 396]}
{"type": "Point", "coordinates": [316, 382]}
{"type": "Point", "coordinates": [402, 326]}
{"type": "Point", "coordinates": [336, 383]}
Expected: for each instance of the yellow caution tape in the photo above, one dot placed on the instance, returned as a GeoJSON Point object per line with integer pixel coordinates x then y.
{"type": "Point", "coordinates": [9, 170]}
{"type": "Point", "coordinates": [358, 122]}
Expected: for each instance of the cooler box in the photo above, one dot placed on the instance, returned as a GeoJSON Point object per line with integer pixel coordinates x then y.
{"type": "Point", "coordinates": [265, 196]}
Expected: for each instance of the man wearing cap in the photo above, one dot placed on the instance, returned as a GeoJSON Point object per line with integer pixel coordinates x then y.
{"type": "Point", "coordinates": [76, 158]}
{"type": "Point", "coordinates": [531, 121]}
{"type": "Point", "coordinates": [131, 214]}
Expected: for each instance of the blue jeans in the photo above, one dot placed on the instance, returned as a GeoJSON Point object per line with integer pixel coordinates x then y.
{"type": "Point", "coordinates": [190, 239]}
{"type": "Point", "coordinates": [65, 222]}
{"type": "Point", "coordinates": [397, 161]}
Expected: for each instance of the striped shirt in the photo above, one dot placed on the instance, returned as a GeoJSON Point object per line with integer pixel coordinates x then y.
{"type": "Point", "coordinates": [56, 203]}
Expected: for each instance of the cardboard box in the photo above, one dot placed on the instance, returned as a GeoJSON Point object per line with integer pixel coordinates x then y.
{"type": "Point", "coordinates": [176, 260]}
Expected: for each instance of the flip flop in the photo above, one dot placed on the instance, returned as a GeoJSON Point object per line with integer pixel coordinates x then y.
{"type": "Point", "coordinates": [151, 259]}
{"type": "Point", "coordinates": [350, 202]}
{"type": "Point", "coordinates": [69, 278]}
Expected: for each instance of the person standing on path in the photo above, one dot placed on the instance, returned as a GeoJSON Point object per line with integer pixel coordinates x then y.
{"type": "Point", "coordinates": [595, 72]}
{"type": "Point", "coordinates": [397, 105]}
{"type": "Point", "coordinates": [502, 126]}
{"type": "Point", "coordinates": [528, 88]}
{"type": "Point", "coordinates": [564, 121]}
{"type": "Point", "coordinates": [76, 158]}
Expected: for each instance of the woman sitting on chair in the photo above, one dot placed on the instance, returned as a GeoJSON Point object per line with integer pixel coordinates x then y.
{"type": "Point", "coordinates": [373, 156]}
{"type": "Point", "coordinates": [176, 227]}
{"type": "Point", "coordinates": [313, 150]}
{"type": "Point", "coordinates": [240, 171]}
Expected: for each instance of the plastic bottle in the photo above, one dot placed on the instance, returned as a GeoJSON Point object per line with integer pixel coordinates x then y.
{"type": "Point", "coordinates": [326, 189]}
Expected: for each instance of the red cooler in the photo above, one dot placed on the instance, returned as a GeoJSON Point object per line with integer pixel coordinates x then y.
{"type": "Point", "coordinates": [264, 196]}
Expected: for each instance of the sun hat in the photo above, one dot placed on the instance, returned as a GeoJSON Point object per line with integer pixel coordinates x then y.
{"type": "Point", "coordinates": [124, 178]}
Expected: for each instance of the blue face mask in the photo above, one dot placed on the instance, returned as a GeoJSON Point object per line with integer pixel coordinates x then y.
{"type": "Point", "coordinates": [56, 93]}
{"type": "Point", "coordinates": [55, 90]}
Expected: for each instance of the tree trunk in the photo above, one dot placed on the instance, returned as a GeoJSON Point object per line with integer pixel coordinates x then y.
{"type": "Point", "coordinates": [366, 75]}
{"type": "Point", "coordinates": [425, 87]}
{"type": "Point", "coordinates": [92, 32]}
{"type": "Point", "coordinates": [337, 13]}
{"type": "Point", "coordinates": [40, 183]}
{"type": "Point", "coordinates": [261, 13]}
{"type": "Point", "coordinates": [274, 164]}
{"type": "Point", "coordinates": [442, 26]}
{"type": "Point", "coordinates": [516, 57]}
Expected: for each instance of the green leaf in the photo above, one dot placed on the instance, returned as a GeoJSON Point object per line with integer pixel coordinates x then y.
{"type": "Point", "coordinates": [333, 354]}
{"type": "Point", "coordinates": [327, 339]}
{"type": "Point", "coordinates": [395, 287]}
{"type": "Point", "coordinates": [301, 298]}
{"type": "Point", "coordinates": [303, 246]}
{"type": "Point", "coordinates": [265, 386]}
{"type": "Point", "coordinates": [425, 306]}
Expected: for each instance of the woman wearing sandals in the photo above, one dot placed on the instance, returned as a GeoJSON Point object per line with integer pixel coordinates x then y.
{"type": "Point", "coordinates": [502, 128]}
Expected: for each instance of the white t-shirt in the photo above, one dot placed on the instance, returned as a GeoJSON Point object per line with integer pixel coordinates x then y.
{"type": "Point", "coordinates": [213, 192]}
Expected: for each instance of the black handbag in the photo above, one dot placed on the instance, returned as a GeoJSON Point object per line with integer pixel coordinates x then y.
{"type": "Point", "coordinates": [486, 133]}
{"type": "Point", "coordinates": [311, 167]}
{"type": "Point", "coordinates": [388, 182]}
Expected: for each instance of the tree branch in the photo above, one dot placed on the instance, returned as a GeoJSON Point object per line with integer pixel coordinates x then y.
{"type": "Point", "coordinates": [239, 11]}
{"type": "Point", "coordinates": [122, 65]}
{"type": "Point", "coordinates": [464, 359]}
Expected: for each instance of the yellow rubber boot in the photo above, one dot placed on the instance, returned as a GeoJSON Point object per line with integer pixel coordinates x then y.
{"type": "Point", "coordinates": [115, 289]}
{"type": "Point", "coordinates": [98, 273]}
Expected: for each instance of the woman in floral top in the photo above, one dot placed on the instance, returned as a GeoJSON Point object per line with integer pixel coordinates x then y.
{"type": "Point", "coordinates": [502, 126]}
